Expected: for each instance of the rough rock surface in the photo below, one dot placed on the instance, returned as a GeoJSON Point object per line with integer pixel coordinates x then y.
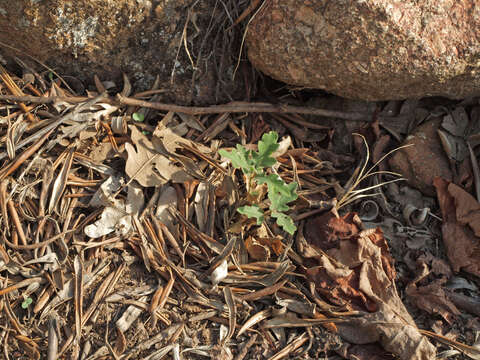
{"type": "Point", "coordinates": [424, 160]}
{"type": "Point", "coordinates": [139, 37]}
{"type": "Point", "coordinates": [371, 50]}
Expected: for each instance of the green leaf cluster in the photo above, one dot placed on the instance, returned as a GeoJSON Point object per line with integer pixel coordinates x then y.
{"type": "Point", "coordinates": [254, 165]}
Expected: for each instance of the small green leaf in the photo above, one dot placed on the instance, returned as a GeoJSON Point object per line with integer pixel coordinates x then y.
{"type": "Point", "coordinates": [285, 222]}
{"type": "Point", "coordinates": [266, 147]}
{"type": "Point", "coordinates": [145, 132]}
{"type": "Point", "coordinates": [138, 117]}
{"type": "Point", "coordinates": [240, 157]}
{"type": "Point", "coordinates": [50, 76]}
{"type": "Point", "coordinates": [26, 302]}
{"type": "Point", "coordinates": [279, 193]}
{"type": "Point", "coordinates": [252, 211]}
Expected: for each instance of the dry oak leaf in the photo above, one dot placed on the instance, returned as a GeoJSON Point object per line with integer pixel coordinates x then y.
{"type": "Point", "coordinates": [149, 167]}
{"type": "Point", "coordinates": [461, 224]}
{"type": "Point", "coordinates": [357, 268]}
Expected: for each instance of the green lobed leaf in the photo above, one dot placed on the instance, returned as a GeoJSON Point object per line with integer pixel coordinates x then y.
{"type": "Point", "coordinates": [285, 222]}
{"type": "Point", "coordinates": [240, 158]}
{"type": "Point", "coordinates": [279, 193]}
{"type": "Point", "coordinates": [266, 147]}
{"type": "Point", "coordinates": [252, 211]}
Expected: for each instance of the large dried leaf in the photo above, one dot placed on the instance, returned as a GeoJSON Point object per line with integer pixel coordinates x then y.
{"type": "Point", "coordinates": [461, 223]}
{"type": "Point", "coordinates": [149, 167]}
{"type": "Point", "coordinates": [355, 269]}
{"type": "Point", "coordinates": [386, 327]}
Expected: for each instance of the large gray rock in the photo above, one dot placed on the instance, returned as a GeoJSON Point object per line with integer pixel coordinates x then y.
{"type": "Point", "coordinates": [371, 50]}
{"type": "Point", "coordinates": [139, 37]}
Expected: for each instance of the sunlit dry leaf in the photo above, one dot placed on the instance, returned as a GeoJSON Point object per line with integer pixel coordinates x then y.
{"type": "Point", "coordinates": [107, 223]}
{"type": "Point", "coordinates": [149, 167]}
{"type": "Point", "coordinates": [220, 273]}
{"type": "Point", "coordinates": [135, 199]}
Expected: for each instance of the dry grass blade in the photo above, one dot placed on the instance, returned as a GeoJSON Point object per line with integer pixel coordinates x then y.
{"type": "Point", "coordinates": [287, 350]}
{"type": "Point", "coordinates": [351, 194]}
{"type": "Point", "coordinates": [15, 90]}
{"type": "Point", "coordinates": [61, 181]}
{"type": "Point", "coordinates": [24, 156]}
{"type": "Point", "coordinates": [78, 274]}
{"type": "Point", "coordinates": [22, 284]}
{"type": "Point", "coordinates": [232, 313]}
{"type": "Point", "coordinates": [166, 291]}
{"type": "Point", "coordinates": [52, 351]}
{"type": "Point", "coordinates": [255, 319]}
{"type": "Point", "coordinates": [256, 295]}
{"type": "Point", "coordinates": [3, 205]}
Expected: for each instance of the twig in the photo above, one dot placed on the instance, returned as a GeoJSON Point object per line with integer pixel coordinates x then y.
{"type": "Point", "coordinates": [47, 99]}
{"type": "Point", "coordinates": [16, 221]}
{"type": "Point", "coordinates": [233, 107]}
{"type": "Point", "coordinates": [241, 107]}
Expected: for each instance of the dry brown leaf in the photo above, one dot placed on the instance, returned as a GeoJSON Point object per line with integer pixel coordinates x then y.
{"type": "Point", "coordinates": [146, 165]}
{"type": "Point", "coordinates": [384, 326]}
{"type": "Point", "coordinates": [461, 220]}
{"type": "Point", "coordinates": [467, 208]}
{"type": "Point", "coordinates": [433, 299]}
{"type": "Point", "coordinates": [256, 250]}
{"type": "Point", "coordinates": [356, 269]}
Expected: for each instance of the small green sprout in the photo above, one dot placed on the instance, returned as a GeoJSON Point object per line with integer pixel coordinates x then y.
{"type": "Point", "coordinates": [253, 165]}
{"type": "Point", "coordinates": [138, 117]}
{"type": "Point", "coordinates": [26, 302]}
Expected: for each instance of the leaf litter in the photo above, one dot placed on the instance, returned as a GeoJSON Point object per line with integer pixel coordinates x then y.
{"type": "Point", "coordinates": [121, 238]}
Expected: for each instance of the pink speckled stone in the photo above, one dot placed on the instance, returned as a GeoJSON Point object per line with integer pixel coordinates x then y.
{"type": "Point", "coordinates": [371, 50]}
